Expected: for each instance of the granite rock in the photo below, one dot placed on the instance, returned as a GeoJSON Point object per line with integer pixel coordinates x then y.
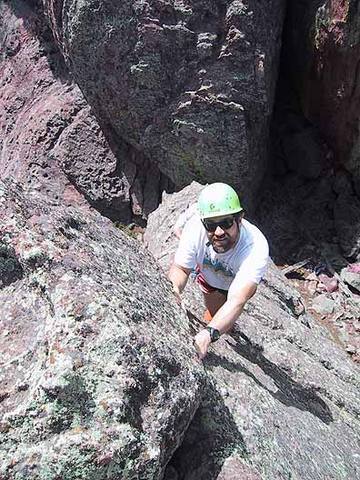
{"type": "Point", "coordinates": [99, 377]}
{"type": "Point", "coordinates": [50, 140]}
{"type": "Point", "coordinates": [188, 83]}
{"type": "Point", "coordinates": [352, 277]}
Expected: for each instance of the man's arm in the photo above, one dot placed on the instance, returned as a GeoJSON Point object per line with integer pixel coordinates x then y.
{"type": "Point", "coordinates": [178, 276]}
{"type": "Point", "coordinates": [226, 316]}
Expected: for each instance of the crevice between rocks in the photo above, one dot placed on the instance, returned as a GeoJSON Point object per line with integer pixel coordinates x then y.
{"type": "Point", "coordinates": [299, 195]}
{"type": "Point", "coordinates": [211, 438]}
{"type": "Point", "coordinates": [41, 30]}
{"type": "Point", "coordinates": [308, 205]}
{"type": "Point", "coordinates": [11, 269]}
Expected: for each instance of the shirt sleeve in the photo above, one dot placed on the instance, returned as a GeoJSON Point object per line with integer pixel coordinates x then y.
{"type": "Point", "coordinates": [253, 268]}
{"type": "Point", "coordinates": [186, 253]}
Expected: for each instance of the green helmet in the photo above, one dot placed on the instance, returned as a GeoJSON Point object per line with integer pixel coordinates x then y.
{"type": "Point", "coordinates": [218, 199]}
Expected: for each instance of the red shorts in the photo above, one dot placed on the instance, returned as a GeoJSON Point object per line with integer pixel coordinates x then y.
{"type": "Point", "coordinates": [206, 288]}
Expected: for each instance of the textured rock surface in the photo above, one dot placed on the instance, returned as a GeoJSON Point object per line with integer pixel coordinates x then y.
{"type": "Point", "coordinates": [347, 222]}
{"type": "Point", "coordinates": [323, 50]}
{"type": "Point", "coordinates": [161, 222]}
{"type": "Point", "coordinates": [189, 83]}
{"type": "Point", "coordinates": [98, 374]}
{"type": "Point", "coordinates": [284, 401]}
{"type": "Point", "coordinates": [298, 213]}
{"type": "Point", "coordinates": [352, 276]}
{"type": "Point", "coordinates": [49, 139]}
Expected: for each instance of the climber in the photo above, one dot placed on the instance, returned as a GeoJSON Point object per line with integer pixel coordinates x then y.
{"type": "Point", "coordinates": [229, 255]}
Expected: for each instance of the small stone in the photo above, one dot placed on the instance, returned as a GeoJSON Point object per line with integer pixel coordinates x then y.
{"type": "Point", "coordinates": [323, 305]}
{"type": "Point", "coordinates": [354, 268]}
{"type": "Point", "coordinates": [312, 287]}
{"type": "Point", "coordinates": [330, 283]}
{"type": "Point", "coordinates": [224, 392]}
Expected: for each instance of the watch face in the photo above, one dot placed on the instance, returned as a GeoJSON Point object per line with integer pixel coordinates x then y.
{"type": "Point", "coordinates": [214, 333]}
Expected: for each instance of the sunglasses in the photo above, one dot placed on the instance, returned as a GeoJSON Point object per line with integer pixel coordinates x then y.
{"type": "Point", "coordinates": [224, 224]}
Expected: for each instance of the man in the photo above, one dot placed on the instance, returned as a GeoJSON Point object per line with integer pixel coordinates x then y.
{"type": "Point", "coordinates": [230, 256]}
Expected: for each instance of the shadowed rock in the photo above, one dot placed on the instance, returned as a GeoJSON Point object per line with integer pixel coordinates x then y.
{"type": "Point", "coordinates": [322, 54]}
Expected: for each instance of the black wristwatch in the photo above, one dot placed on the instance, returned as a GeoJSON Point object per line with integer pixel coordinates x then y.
{"type": "Point", "coordinates": [214, 334]}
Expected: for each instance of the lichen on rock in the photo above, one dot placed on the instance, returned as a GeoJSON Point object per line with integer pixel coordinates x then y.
{"type": "Point", "coordinates": [99, 378]}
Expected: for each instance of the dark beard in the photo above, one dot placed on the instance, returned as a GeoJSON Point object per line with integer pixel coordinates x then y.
{"type": "Point", "coordinates": [227, 244]}
{"type": "Point", "coordinates": [222, 247]}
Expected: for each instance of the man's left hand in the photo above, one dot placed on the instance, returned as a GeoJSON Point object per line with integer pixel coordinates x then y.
{"type": "Point", "coordinates": [202, 341]}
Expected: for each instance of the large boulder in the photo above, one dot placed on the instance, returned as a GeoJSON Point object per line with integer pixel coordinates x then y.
{"type": "Point", "coordinates": [283, 398]}
{"type": "Point", "coordinates": [189, 84]}
{"type": "Point", "coordinates": [49, 138]}
{"type": "Point", "coordinates": [99, 378]}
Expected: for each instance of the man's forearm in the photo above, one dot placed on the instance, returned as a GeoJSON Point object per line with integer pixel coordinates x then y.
{"type": "Point", "coordinates": [178, 276]}
{"type": "Point", "coordinates": [227, 315]}
{"type": "Point", "coordinates": [223, 321]}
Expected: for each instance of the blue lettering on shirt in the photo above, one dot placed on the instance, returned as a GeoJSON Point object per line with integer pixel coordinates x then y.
{"type": "Point", "coordinates": [217, 266]}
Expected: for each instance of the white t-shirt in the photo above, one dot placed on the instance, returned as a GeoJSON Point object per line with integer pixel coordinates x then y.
{"type": "Point", "coordinates": [245, 262]}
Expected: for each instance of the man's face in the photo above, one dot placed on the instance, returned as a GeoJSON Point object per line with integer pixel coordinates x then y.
{"type": "Point", "coordinates": [222, 232]}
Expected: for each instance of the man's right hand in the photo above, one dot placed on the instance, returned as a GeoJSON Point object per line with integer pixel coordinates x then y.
{"type": "Point", "coordinates": [202, 342]}
{"type": "Point", "coordinates": [178, 276]}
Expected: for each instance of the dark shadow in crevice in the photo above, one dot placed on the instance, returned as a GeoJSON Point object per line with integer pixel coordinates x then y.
{"type": "Point", "coordinates": [10, 267]}
{"type": "Point", "coordinates": [138, 182]}
{"type": "Point", "coordinates": [34, 18]}
{"type": "Point", "coordinates": [289, 392]}
{"type": "Point", "coordinates": [210, 439]}
{"type": "Point", "coordinates": [301, 164]}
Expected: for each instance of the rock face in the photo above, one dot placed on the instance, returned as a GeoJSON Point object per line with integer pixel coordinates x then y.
{"type": "Point", "coordinates": [347, 222]}
{"type": "Point", "coordinates": [323, 50]}
{"type": "Point", "coordinates": [98, 374]}
{"type": "Point", "coordinates": [49, 138]}
{"type": "Point", "coordinates": [314, 197]}
{"type": "Point", "coordinates": [188, 83]}
{"type": "Point", "coordinates": [283, 399]}
{"type": "Point", "coordinates": [98, 377]}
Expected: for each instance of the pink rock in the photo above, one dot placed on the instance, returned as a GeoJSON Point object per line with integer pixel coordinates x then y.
{"type": "Point", "coordinates": [354, 268]}
{"type": "Point", "coordinates": [330, 283]}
